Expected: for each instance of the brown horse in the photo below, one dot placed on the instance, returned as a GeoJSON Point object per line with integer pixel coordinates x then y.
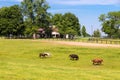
{"type": "Point", "coordinates": [74, 57]}
{"type": "Point", "coordinates": [97, 61]}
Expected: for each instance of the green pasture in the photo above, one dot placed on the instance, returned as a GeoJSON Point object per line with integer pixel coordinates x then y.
{"type": "Point", "coordinates": [19, 61]}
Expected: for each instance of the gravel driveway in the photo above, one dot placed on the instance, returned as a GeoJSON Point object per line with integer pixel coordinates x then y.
{"type": "Point", "coordinates": [83, 44]}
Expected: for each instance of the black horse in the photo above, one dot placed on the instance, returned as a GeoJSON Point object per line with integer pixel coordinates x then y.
{"type": "Point", "coordinates": [74, 57]}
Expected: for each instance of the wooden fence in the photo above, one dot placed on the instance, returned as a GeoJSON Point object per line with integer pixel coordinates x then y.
{"type": "Point", "coordinates": [104, 41]}
{"type": "Point", "coordinates": [91, 40]}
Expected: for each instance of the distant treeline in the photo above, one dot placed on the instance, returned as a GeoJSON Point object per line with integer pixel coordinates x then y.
{"type": "Point", "coordinates": [24, 20]}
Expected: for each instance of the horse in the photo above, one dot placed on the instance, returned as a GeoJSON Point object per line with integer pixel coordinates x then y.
{"type": "Point", "coordinates": [74, 57]}
{"type": "Point", "coordinates": [97, 61]}
{"type": "Point", "coordinates": [43, 55]}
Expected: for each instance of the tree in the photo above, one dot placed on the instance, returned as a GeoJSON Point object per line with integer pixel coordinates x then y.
{"type": "Point", "coordinates": [27, 7]}
{"type": "Point", "coordinates": [42, 17]}
{"type": "Point", "coordinates": [84, 34]}
{"type": "Point", "coordinates": [11, 21]}
{"type": "Point", "coordinates": [111, 24]}
{"type": "Point", "coordinates": [57, 20]}
{"type": "Point", "coordinates": [71, 21]}
{"type": "Point", "coordinates": [35, 13]}
{"type": "Point", "coordinates": [67, 24]}
{"type": "Point", "coordinates": [96, 33]}
{"type": "Point", "coordinates": [102, 17]}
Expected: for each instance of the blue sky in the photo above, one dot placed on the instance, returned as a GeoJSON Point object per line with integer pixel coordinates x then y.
{"type": "Point", "coordinates": [87, 11]}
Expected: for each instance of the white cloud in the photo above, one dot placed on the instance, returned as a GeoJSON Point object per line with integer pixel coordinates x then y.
{"type": "Point", "coordinates": [85, 2]}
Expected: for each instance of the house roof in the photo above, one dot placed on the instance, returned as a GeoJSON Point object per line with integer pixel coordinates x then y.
{"type": "Point", "coordinates": [40, 29]}
{"type": "Point", "coordinates": [55, 33]}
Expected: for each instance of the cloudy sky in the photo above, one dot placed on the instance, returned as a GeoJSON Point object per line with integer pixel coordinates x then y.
{"type": "Point", "coordinates": [87, 11]}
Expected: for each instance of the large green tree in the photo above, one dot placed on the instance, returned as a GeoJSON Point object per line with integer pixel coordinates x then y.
{"type": "Point", "coordinates": [57, 19]}
{"type": "Point", "coordinates": [11, 21]}
{"type": "Point", "coordinates": [67, 23]}
{"type": "Point", "coordinates": [42, 17]}
{"type": "Point", "coordinates": [35, 13]}
{"type": "Point", "coordinates": [111, 24]}
{"type": "Point", "coordinates": [71, 22]}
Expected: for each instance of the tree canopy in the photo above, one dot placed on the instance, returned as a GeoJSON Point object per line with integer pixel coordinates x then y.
{"type": "Point", "coordinates": [96, 33]}
{"type": "Point", "coordinates": [35, 13]}
{"type": "Point", "coordinates": [11, 21]}
{"type": "Point", "coordinates": [67, 23]}
{"type": "Point", "coordinates": [111, 24]}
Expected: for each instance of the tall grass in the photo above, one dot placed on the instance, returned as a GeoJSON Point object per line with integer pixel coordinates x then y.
{"type": "Point", "coordinates": [19, 61]}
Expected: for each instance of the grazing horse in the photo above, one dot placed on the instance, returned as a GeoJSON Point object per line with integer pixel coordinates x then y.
{"type": "Point", "coordinates": [74, 57]}
{"type": "Point", "coordinates": [48, 54]}
{"type": "Point", "coordinates": [97, 61]}
{"type": "Point", "coordinates": [43, 55]}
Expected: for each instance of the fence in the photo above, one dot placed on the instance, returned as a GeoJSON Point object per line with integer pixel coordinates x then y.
{"type": "Point", "coordinates": [102, 41]}
{"type": "Point", "coordinates": [90, 40]}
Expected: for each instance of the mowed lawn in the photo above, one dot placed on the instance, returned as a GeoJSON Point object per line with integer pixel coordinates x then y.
{"type": "Point", "coordinates": [19, 61]}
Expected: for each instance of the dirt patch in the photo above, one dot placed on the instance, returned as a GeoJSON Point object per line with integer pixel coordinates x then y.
{"type": "Point", "coordinates": [83, 44]}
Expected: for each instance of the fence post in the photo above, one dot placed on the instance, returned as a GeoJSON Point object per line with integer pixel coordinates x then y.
{"type": "Point", "coordinates": [96, 40]}
{"type": "Point", "coordinates": [110, 42]}
{"type": "Point", "coordinates": [106, 41]}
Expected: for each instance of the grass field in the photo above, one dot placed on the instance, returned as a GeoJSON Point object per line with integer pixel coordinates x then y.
{"type": "Point", "coordinates": [19, 61]}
